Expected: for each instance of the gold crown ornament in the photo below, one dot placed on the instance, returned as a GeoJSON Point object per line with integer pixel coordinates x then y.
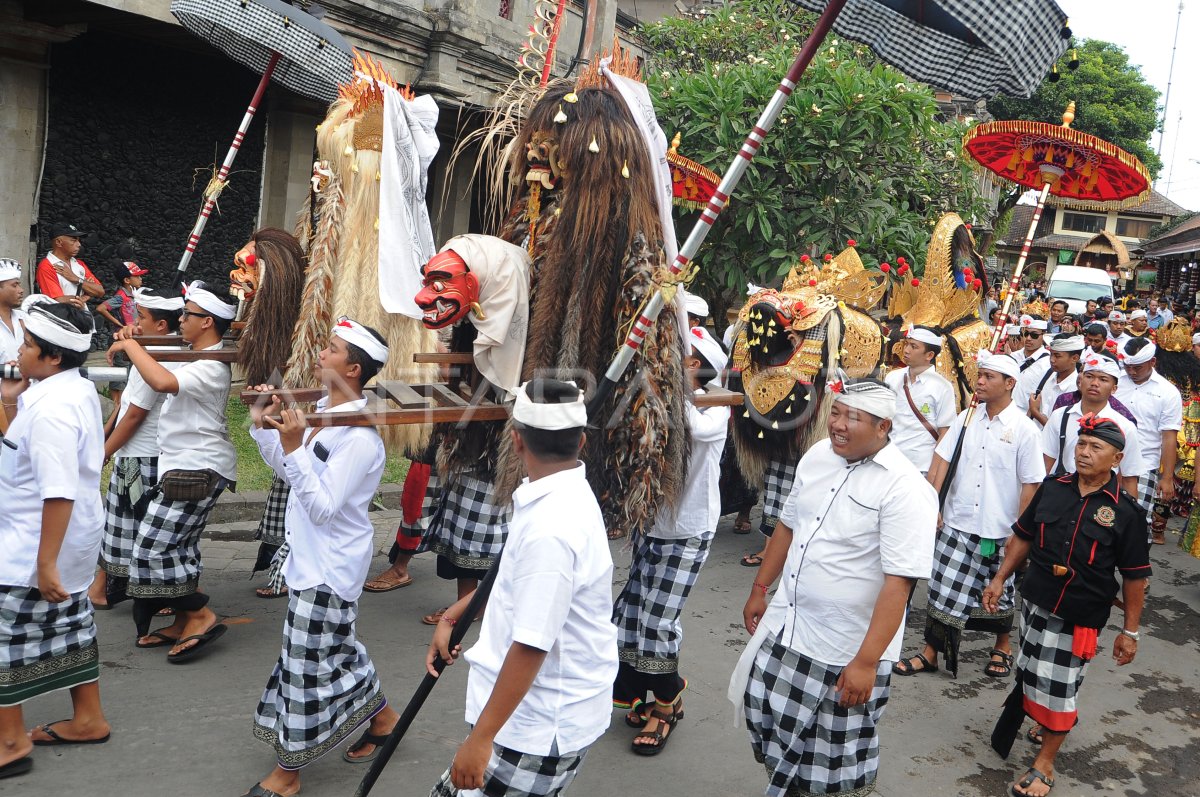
{"type": "Point", "coordinates": [1175, 336]}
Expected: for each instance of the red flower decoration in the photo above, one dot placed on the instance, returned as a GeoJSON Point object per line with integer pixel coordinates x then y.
{"type": "Point", "coordinates": [885, 267]}
{"type": "Point", "coordinates": [805, 258]}
{"type": "Point", "coordinates": [1109, 344]}
{"type": "Point", "coordinates": [916, 283]}
{"type": "Point", "coordinates": [901, 260]}
{"type": "Point", "coordinates": [851, 242]}
{"type": "Point", "coordinates": [903, 267]}
{"type": "Point", "coordinates": [837, 387]}
{"type": "Point", "coordinates": [969, 274]}
{"type": "Point", "coordinates": [828, 257]}
{"type": "Point", "coordinates": [812, 283]}
{"type": "Point", "coordinates": [1026, 321]}
{"type": "Point", "coordinates": [977, 284]}
{"type": "Point", "coordinates": [968, 226]}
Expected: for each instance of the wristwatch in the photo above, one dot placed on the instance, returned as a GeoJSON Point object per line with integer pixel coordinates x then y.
{"type": "Point", "coordinates": [1134, 635]}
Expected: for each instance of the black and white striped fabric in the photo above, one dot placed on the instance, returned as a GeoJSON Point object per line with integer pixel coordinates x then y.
{"type": "Point", "coordinates": [123, 511]}
{"type": "Point", "coordinates": [960, 575]}
{"type": "Point", "coordinates": [324, 685]}
{"type": "Point", "coordinates": [807, 742]}
{"type": "Point", "coordinates": [513, 774]}
{"type": "Point", "coordinates": [166, 552]}
{"type": "Point", "coordinates": [468, 527]}
{"type": "Point", "coordinates": [44, 646]}
{"type": "Point", "coordinates": [1147, 486]}
{"type": "Point", "coordinates": [647, 611]}
{"type": "Point", "coordinates": [314, 58]}
{"type": "Point", "coordinates": [1049, 673]}
{"type": "Point", "coordinates": [272, 530]}
{"type": "Point", "coordinates": [777, 485]}
{"type": "Point", "coordinates": [976, 48]}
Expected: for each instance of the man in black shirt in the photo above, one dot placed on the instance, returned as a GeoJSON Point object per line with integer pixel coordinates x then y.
{"type": "Point", "coordinates": [1077, 532]}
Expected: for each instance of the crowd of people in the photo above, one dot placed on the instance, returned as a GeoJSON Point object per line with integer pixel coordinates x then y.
{"type": "Point", "coordinates": [1050, 488]}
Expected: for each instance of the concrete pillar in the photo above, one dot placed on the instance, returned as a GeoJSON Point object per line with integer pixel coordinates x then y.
{"type": "Point", "coordinates": [287, 165]}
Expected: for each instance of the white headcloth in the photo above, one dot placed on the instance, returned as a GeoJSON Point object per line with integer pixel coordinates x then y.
{"type": "Point", "coordinates": [58, 331]}
{"type": "Point", "coordinates": [922, 335]}
{"type": "Point", "coordinates": [1073, 343]}
{"type": "Point", "coordinates": [1000, 363]}
{"type": "Point", "coordinates": [1138, 313]}
{"type": "Point", "coordinates": [694, 305]}
{"type": "Point", "coordinates": [351, 331]}
{"type": "Point", "coordinates": [144, 298]}
{"type": "Point", "coordinates": [874, 397]}
{"type": "Point", "coordinates": [209, 302]}
{"type": "Point", "coordinates": [1029, 322]}
{"type": "Point", "coordinates": [1103, 364]}
{"type": "Point", "coordinates": [1144, 355]}
{"type": "Point", "coordinates": [551, 417]}
{"type": "Point", "coordinates": [711, 349]}
{"type": "Point", "coordinates": [9, 269]}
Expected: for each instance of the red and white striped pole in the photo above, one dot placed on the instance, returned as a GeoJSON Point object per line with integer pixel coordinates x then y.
{"type": "Point", "coordinates": [721, 196]}
{"type": "Point", "coordinates": [1015, 283]}
{"type": "Point", "coordinates": [211, 199]}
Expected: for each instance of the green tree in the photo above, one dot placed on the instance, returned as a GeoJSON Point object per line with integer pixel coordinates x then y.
{"type": "Point", "coordinates": [858, 153]}
{"type": "Point", "coordinates": [1112, 100]}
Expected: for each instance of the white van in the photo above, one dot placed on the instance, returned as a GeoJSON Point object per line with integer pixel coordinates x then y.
{"type": "Point", "coordinates": [1077, 284]}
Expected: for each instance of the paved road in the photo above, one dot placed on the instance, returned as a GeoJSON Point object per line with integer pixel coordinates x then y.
{"type": "Point", "coordinates": [184, 731]}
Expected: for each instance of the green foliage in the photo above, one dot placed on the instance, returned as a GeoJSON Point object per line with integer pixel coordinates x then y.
{"type": "Point", "coordinates": [1112, 99]}
{"type": "Point", "coordinates": [858, 152]}
{"type": "Point", "coordinates": [1162, 229]}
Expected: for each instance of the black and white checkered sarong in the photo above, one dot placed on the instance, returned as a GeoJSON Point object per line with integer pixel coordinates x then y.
{"type": "Point", "coordinates": [1049, 673]}
{"type": "Point", "coordinates": [809, 744]}
{"type": "Point", "coordinates": [513, 774]}
{"type": "Point", "coordinates": [272, 529]}
{"type": "Point", "coordinates": [324, 685]}
{"type": "Point", "coordinates": [129, 486]}
{"type": "Point", "coordinates": [777, 485]}
{"type": "Point", "coordinates": [166, 553]}
{"type": "Point", "coordinates": [647, 611]}
{"type": "Point", "coordinates": [44, 646]}
{"type": "Point", "coordinates": [960, 575]}
{"type": "Point", "coordinates": [467, 527]}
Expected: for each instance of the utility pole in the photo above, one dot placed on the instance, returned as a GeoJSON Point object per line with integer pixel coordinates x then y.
{"type": "Point", "coordinates": [1174, 150]}
{"type": "Point", "coordinates": [1170, 77]}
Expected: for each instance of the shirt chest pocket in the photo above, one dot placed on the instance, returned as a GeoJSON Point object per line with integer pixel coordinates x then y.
{"type": "Point", "coordinates": [1052, 525]}
{"type": "Point", "coordinates": [861, 510]}
{"type": "Point", "coordinates": [1097, 541]}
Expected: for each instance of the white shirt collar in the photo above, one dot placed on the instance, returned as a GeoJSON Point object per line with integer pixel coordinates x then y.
{"type": "Point", "coordinates": [43, 387]}
{"type": "Point", "coordinates": [531, 491]}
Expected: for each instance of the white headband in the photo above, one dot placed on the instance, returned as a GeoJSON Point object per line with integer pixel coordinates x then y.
{"type": "Point", "coordinates": [1029, 322]}
{"type": "Point", "coordinates": [1011, 329]}
{"type": "Point", "coordinates": [144, 298]}
{"type": "Point", "coordinates": [353, 332]}
{"type": "Point", "coordinates": [208, 301]}
{"type": "Point", "coordinates": [1136, 314]}
{"type": "Point", "coordinates": [1000, 363]}
{"type": "Point", "coordinates": [1073, 343]}
{"type": "Point", "coordinates": [694, 305]}
{"type": "Point", "coordinates": [873, 397]}
{"type": "Point", "coordinates": [34, 299]}
{"type": "Point", "coordinates": [1196, 339]}
{"type": "Point", "coordinates": [711, 349]}
{"type": "Point", "coordinates": [58, 331]}
{"type": "Point", "coordinates": [1103, 364]}
{"type": "Point", "coordinates": [1116, 315]}
{"type": "Point", "coordinates": [922, 335]}
{"type": "Point", "coordinates": [551, 417]}
{"type": "Point", "coordinates": [9, 269]}
{"type": "Point", "coordinates": [1144, 355]}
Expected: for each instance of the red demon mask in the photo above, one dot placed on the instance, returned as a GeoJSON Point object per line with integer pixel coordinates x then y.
{"type": "Point", "coordinates": [450, 290]}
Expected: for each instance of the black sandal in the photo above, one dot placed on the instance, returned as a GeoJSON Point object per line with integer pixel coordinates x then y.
{"type": "Point", "coordinates": [366, 738]}
{"type": "Point", "coordinates": [660, 738]}
{"type": "Point", "coordinates": [1035, 734]}
{"type": "Point", "coordinates": [636, 716]}
{"type": "Point", "coordinates": [998, 669]}
{"type": "Point", "coordinates": [1027, 780]}
{"type": "Point", "coordinates": [905, 666]}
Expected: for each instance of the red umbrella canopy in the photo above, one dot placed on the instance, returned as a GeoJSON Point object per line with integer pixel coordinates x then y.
{"type": "Point", "coordinates": [1076, 165]}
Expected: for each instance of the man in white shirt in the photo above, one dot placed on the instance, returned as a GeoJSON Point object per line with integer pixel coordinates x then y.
{"type": "Point", "coordinates": [50, 529]}
{"type": "Point", "coordinates": [1060, 378]}
{"type": "Point", "coordinates": [540, 687]}
{"type": "Point", "coordinates": [1158, 407]}
{"type": "Point", "coordinates": [332, 473]}
{"type": "Point", "coordinates": [999, 468]}
{"type": "Point", "coordinates": [132, 445]}
{"type": "Point", "coordinates": [61, 275]}
{"type": "Point", "coordinates": [925, 404]}
{"type": "Point", "coordinates": [1036, 362]}
{"type": "Point", "coordinates": [196, 463]}
{"type": "Point", "coordinates": [855, 534]}
{"type": "Point", "coordinates": [1095, 336]}
{"type": "Point", "coordinates": [12, 334]}
{"type": "Point", "coordinates": [1097, 384]}
{"type": "Point", "coordinates": [1116, 329]}
{"type": "Point", "coordinates": [1014, 344]}
{"type": "Point", "coordinates": [665, 566]}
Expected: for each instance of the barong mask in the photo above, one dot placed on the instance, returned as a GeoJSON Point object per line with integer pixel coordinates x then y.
{"type": "Point", "coordinates": [450, 291]}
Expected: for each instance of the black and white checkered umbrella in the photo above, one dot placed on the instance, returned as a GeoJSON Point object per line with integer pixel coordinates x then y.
{"type": "Point", "coordinates": [313, 57]}
{"type": "Point", "coordinates": [975, 48]}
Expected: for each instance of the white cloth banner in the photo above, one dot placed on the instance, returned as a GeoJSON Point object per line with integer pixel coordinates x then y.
{"type": "Point", "coordinates": [405, 234]}
{"type": "Point", "coordinates": [637, 99]}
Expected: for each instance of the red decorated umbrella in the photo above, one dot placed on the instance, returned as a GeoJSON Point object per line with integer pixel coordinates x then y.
{"type": "Point", "coordinates": [1056, 160]}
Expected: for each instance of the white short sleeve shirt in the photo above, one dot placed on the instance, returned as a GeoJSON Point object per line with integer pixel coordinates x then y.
{"type": "Point", "coordinates": [1032, 371]}
{"type": "Point", "coordinates": [137, 393]}
{"type": "Point", "coordinates": [192, 432]}
{"type": "Point", "coordinates": [934, 396]}
{"type": "Point", "coordinates": [699, 507]}
{"type": "Point", "coordinates": [553, 592]}
{"type": "Point", "coordinates": [59, 448]}
{"type": "Point", "coordinates": [1131, 464]}
{"type": "Point", "coordinates": [852, 523]}
{"type": "Point", "coordinates": [999, 455]}
{"type": "Point", "coordinates": [1158, 407]}
{"type": "Point", "coordinates": [11, 338]}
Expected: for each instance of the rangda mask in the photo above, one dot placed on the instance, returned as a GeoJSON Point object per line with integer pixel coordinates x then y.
{"type": "Point", "coordinates": [450, 291]}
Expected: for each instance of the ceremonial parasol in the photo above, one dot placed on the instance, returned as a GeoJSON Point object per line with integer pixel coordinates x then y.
{"type": "Point", "coordinates": [276, 39]}
{"type": "Point", "coordinates": [971, 47]}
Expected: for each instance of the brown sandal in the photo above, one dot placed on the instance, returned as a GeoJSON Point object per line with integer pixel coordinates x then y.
{"type": "Point", "coordinates": [660, 739]}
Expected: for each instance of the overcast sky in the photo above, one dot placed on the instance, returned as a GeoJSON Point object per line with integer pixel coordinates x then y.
{"type": "Point", "coordinates": [1146, 30]}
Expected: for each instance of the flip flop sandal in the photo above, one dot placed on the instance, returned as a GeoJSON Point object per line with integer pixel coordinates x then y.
{"type": "Point", "coordinates": [435, 618]}
{"type": "Point", "coordinates": [1030, 776]}
{"type": "Point", "coordinates": [163, 641]}
{"type": "Point", "coordinates": [55, 739]}
{"type": "Point", "coordinates": [751, 560]}
{"type": "Point", "coordinates": [257, 790]}
{"type": "Point", "coordinates": [18, 767]}
{"type": "Point", "coordinates": [366, 738]}
{"type": "Point", "coordinates": [906, 668]}
{"type": "Point", "coordinates": [742, 528]}
{"type": "Point", "coordinates": [998, 669]}
{"type": "Point", "coordinates": [1034, 735]}
{"type": "Point", "coordinates": [268, 594]}
{"type": "Point", "coordinates": [202, 643]}
{"type": "Point", "coordinates": [394, 585]}
{"type": "Point", "coordinates": [165, 611]}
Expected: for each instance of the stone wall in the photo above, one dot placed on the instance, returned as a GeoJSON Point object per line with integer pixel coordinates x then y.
{"type": "Point", "coordinates": [134, 132]}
